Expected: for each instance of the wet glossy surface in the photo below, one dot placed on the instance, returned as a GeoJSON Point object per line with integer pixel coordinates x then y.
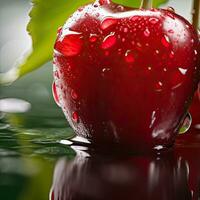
{"type": "Point", "coordinates": [128, 70]}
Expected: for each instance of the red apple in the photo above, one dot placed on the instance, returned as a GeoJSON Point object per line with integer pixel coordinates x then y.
{"type": "Point", "coordinates": [125, 76]}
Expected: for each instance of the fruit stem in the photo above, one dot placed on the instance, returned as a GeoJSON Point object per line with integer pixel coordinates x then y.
{"type": "Point", "coordinates": [196, 13]}
{"type": "Point", "coordinates": [146, 4]}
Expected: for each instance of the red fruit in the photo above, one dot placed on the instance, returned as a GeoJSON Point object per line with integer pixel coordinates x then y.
{"type": "Point", "coordinates": [134, 73]}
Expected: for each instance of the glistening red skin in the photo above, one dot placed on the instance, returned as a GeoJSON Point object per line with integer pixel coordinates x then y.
{"type": "Point", "coordinates": [126, 76]}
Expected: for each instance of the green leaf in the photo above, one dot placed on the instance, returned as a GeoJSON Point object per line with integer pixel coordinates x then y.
{"type": "Point", "coordinates": [136, 3]}
{"type": "Point", "coordinates": [46, 18]}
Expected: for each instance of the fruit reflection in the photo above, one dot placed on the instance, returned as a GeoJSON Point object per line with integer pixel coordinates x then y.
{"type": "Point", "coordinates": [108, 177]}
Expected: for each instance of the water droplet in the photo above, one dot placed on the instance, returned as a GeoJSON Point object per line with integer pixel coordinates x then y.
{"type": "Point", "coordinates": [105, 71]}
{"type": "Point", "coordinates": [70, 45]}
{"type": "Point", "coordinates": [157, 51]}
{"type": "Point", "coordinates": [146, 32]}
{"type": "Point", "coordinates": [195, 52]}
{"type": "Point", "coordinates": [171, 55]}
{"type": "Point", "coordinates": [171, 15]}
{"type": "Point", "coordinates": [165, 41]}
{"type": "Point", "coordinates": [123, 39]}
{"type": "Point", "coordinates": [120, 8]}
{"type": "Point", "coordinates": [59, 30]}
{"type": "Point", "coordinates": [107, 23]}
{"type": "Point", "coordinates": [119, 51]}
{"type": "Point", "coordinates": [134, 18]}
{"type": "Point", "coordinates": [125, 30]}
{"type": "Point", "coordinates": [109, 41]}
{"type": "Point", "coordinates": [55, 94]}
{"type": "Point", "coordinates": [129, 57]}
{"type": "Point", "coordinates": [74, 95]}
{"type": "Point", "coordinates": [159, 86]}
{"type": "Point", "coordinates": [170, 31]}
{"type": "Point", "coordinates": [186, 124]}
{"type": "Point", "coordinates": [171, 9]}
{"type": "Point", "coordinates": [75, 117]}
{"type": "Point", "coordinates": [183, 71]}
{"type": "Point", "coordinates": [56, 75]}
{"type": "Point", "coordinates": [153, 20]}
{"type": "Point", "coordinates": [93, 38]}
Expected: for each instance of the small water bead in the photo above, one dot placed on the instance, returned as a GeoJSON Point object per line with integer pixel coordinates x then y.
{"type": "Point", "coordinates": [171, 9]}
{"type": "Point", "coordinates": [153, 20]}
{"type": "Point", "coordinates": [59, 30]}
{"type": "Point", "coordinates": [75, 117]}
{"type": "Point", "coordinates": [74, 95]}
{"type": "Point", "coordinates": [109, 41]}
{"type": "Point", "coordinates": [183, 71]}
{"type": "Point", "coordinates": [186, 124]}
{"type": "Point", "coordinates": [195, 52]}
{"type": "Point", "coordinates": [56, 75]}
{"type": "Point", "coordinates": [107, 23]}
{"type": "Point", "coordinates": [165, 41]}
{"type": "Point", "coordinates": [55, 94]}
{"type": "Point", "coordinates": [171, 31]}
{"type": "Point", "coordinates": [159, 86]}
{"type": "Point", "coordinates": [123, 39]}
{"type": "Point", "coordinates": [120, 8]}
{"type": "Point", "coordinates": [171, 55]}
{"type": "Point", "coordinates": [119, 51]}
{"type": "Point", "coordinates": [134, 18]}
{"type": "Point", "coordinates": [170, 14]}
{"type": "Point", "coordinates": [70, 45]}
{"type": "Point", "coordinates": [129, 57]}
{"type": "Point", "coordinates": [147, 32]}
{"type": "Point", "coordinates": [93, 38]}
{"type": "Point", "coordinates": [125, 30]}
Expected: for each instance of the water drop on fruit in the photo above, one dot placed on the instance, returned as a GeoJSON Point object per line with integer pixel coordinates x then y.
{"type": "Point", "coordinates": [158, 86]}
{"type": "Point", "coordinates": [75, 117]}
{"type": "Point", "coordinates": [129, 57]}
{"type": "Point", "coordinates": [165, 41]}
{"type": "Point", "coordinates": [170, 31]}
{"type": "Point", "coordinates": [195, 52]}
{"type": "Point", "coordinates": [120, 8]}
{"type": "Point", "coordinates": [74, 95]}
{"type": "Point", "coordinates": [153, 20]}
{"type": "Point", "coordinates": [134, 18]}
{"type": "Point", "coordinates": [70, 45]}
{"type": "Point", "coordinates": [123, 39]}
{"type": "Point", "coordinates": [109, 41]}
{"type": "Point", "coordinates": [171, 15]}
{"type": "Point", "coordinates": [171, 9]}
{"type": "Point", "coordinates": [125, 30]}
{"type": "Point", "coordinates": [183, 71]}
{"type": "Point", "coordinates": [93, 38]}
{"type": "Point", "coordinates": [108, 22]}
{"type": "Point", "coordinates": [146, 32]}
{"type": "Point", "coordinates": [186, 124]}
{"type": "Point", "coordinates": [59, 30]}
{"type": "Point", "coordinates": [55, 94]}
{"type": "Point", "coordinates": [171, 55]}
